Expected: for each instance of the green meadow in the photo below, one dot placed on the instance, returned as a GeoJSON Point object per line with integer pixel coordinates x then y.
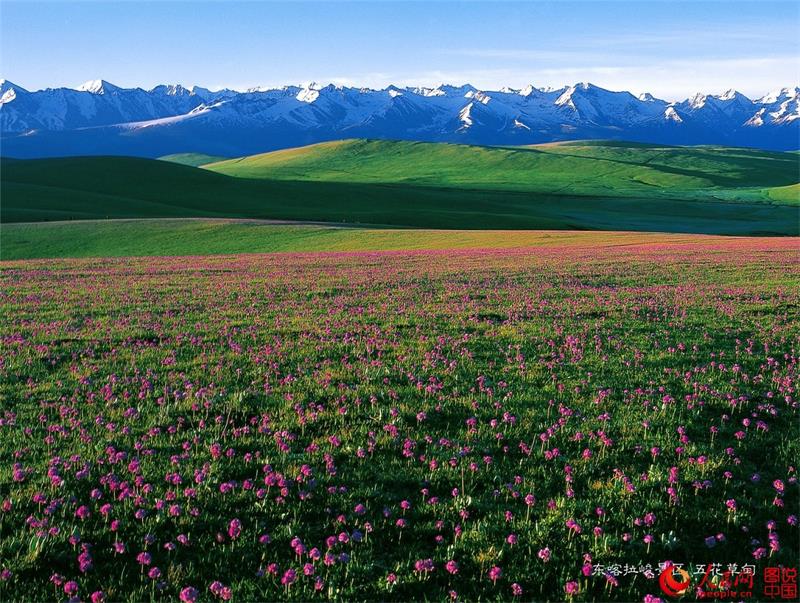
{"type": "Point", "coordinates": [192, 159]}
{"type": "Point", "coordinates": [591, 186]}
{"type": "Point", "coordinates": [170, 237]}
{"type": "Point", "coordinates": [586, 169]}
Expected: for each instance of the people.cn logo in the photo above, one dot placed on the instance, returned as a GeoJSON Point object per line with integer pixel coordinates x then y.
{"type": "Point", "coordinates": [674, 581]}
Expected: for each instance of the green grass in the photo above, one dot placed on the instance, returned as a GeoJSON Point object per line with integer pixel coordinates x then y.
{"type": "Point", "coordinates": [307, 395]}
{"type": "Point", "coordinates": [596, 169]}
{"type": "Point", "coordinates": [610, 186]}
{"type": "Point", "coordinates": [169, 237]}
{"type": "Point", "coordinates": [192, 159]}
{"type": "Point", "coordinates": [786, 194]}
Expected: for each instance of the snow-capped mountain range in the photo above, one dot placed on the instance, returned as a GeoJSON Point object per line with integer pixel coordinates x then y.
{"type": "Point", "coordinates": [100, 118]}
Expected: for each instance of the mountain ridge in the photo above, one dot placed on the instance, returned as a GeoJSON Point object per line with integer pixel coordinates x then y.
{"type": "Point", "coordinates": [101, 118]}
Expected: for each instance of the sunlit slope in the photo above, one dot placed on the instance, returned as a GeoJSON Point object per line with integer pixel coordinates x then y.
{"type": "Point", "coordinates": [118, 238]}
{"type": "Point", "coordinates": [582, 168]}
{"type": "Point", "coordinates": [785, 194]}
{"type": "Point", "coordinates": [193, 159]}
{"type": "Point", "coordinates": [399, 184]}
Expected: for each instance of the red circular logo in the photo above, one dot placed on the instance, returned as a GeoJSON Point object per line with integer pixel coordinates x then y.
{"type": "Point", "coordinates": [674, 581]}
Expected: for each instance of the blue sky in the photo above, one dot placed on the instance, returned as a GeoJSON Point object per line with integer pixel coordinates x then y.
{"type": "Point", "coordinates": [669, 48]}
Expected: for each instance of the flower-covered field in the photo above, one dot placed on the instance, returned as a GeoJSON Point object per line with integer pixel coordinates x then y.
{"type": "Point", "coordinates": [478, 425]}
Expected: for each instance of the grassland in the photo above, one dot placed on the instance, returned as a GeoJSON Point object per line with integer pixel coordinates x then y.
{"type": "Point", "coordinates": [609, 186]}
{"type": "Point", "coordinates": [396, 414]}
{"type": "Point", "coordinates": [406, 426]}
{"type": "Point", "coordinates": [785, 194]}
{"type": "Point", "coordinates": [192, 159]}
{"type": "Point", "coordinates": [584, 169]}
{"type": "Point", "coordinates": [169, 237]}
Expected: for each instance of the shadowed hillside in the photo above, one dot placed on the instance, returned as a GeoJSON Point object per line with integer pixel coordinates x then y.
{"type": "Point", "coordinates": [586, 186]}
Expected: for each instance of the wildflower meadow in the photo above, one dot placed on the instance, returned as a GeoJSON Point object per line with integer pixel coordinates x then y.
{"type": "Point", "coordinates": [480, 425]}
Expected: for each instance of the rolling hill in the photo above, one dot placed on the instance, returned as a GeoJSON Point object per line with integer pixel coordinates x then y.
{"type": "Point", "coordinates": [211, 236]}
{"type": "Point", "coordinates": [589, 186]}
{"type": "Point", "coordinates": [585, 169]}
{"type": "Point", "coordinates": [193, 159]}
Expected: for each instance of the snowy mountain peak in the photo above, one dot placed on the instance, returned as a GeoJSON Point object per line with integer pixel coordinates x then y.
{"type": "Point", "coordinates": [450, 90]}
{"type": "Point", "coordinates": [424, 91]}
{"type": "Point", "coordinates": [97, 87]}
{"type": "Point", "coordinates": [6, 85]}
{"type": "Point", "coordinates": [309, 93]}
{"type": "Point", "coordinates": [566, 98]}
{"type": "Point", "coordinates": [757, 120]}
{"type": "Point", "coordinates": [479, 96]}
{"type": "Point", "coordinates": [734, 95]}
{"type": "Point", "coordinates": [575, 91]}
{"type": "Point", "coordinates": [646, 97]}
{"type": "Point", "coordinates": [781, 94]}
{"type": "Point", "coordinates": [465, 117]}
{"type": "Point", "coordinates": [9, 91]}
{"type": "Point", "coordinates": [171, 90]}
{"type": "Point", "coordinates": [698, 100]}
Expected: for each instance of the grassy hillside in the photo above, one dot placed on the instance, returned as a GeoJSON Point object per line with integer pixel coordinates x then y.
{"type": "Point", "coordinates": [110, 238]}
{"type": "Point", "coordinates": [785, 194]}
{"type": "Point", "coordinates": [580, 168]}
{"type": "Point", "coordinates": [193, 159]}
{"type": "Point", "coordinates": [717, 191]}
